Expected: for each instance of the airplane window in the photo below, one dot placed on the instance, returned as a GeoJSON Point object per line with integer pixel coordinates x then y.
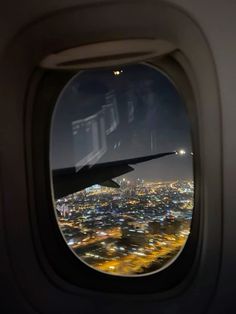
{"type": "Point", "coordinates": [122, 169]}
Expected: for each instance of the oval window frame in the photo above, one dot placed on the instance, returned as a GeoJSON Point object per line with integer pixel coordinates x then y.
{"type": "Point", "coordinates": [180, 271]}
{"type": "Point", "coordinates": [164, 63]}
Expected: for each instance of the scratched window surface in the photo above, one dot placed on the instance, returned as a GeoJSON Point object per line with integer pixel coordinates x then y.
{"type": "Point", "coordinates": [122, 169]}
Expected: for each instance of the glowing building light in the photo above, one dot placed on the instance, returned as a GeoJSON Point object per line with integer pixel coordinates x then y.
{"type": "Point", "coordinates": [111, 267]}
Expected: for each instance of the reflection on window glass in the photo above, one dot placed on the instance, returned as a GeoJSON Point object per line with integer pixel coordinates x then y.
{"type": "Point", "coordinates": [122, 174]}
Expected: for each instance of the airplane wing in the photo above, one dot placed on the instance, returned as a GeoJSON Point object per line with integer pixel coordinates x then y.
{"type": "Point", "coordinates": [67, 181]}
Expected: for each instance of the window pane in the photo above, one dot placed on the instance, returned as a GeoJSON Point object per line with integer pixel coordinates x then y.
{"type": "Point", "coordinates": [122, 174]}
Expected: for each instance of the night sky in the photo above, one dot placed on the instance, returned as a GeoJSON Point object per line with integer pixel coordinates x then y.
{"type": "Point", "coordinates": [100, 117]}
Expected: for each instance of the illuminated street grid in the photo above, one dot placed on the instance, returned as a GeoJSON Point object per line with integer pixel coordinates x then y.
{"type": "Point", "coordinates": [135, 229]}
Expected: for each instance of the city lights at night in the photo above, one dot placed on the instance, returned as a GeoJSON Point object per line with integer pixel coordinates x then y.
{"type": "Point", "coordinates": [128, 231]}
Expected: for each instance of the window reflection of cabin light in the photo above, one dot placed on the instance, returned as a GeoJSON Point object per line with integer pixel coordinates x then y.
{"type": "Point", "coordinates": [117, 72]}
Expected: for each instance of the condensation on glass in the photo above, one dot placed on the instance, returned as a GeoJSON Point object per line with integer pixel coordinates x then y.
{"type": "Point", "coordinates": [122, 173]}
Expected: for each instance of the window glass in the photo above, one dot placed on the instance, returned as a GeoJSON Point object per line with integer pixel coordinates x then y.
{"type": "Point", "coordinates": [122, 174]}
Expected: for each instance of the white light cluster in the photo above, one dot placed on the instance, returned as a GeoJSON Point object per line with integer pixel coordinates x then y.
{"type": "Point", "coordinates": [181, 152]}
{"type": "Point", "coordinates": [117, 72]}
